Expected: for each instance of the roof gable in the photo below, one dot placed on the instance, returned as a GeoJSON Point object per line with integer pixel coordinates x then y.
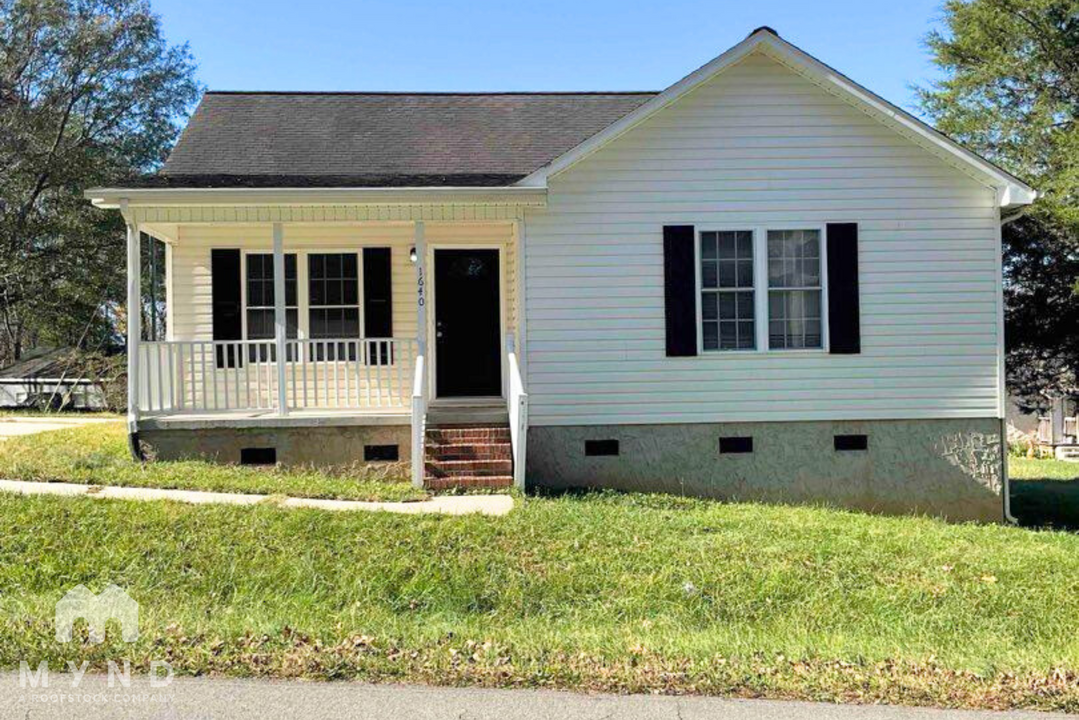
{"type": "Point", "coordinates": [1010, 190]}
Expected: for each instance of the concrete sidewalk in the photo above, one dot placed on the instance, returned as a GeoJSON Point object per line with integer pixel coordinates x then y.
{"type": "Point", "coordinates": [18, 425]}
{"type": "Point", "coordinates": [210, 699]}
{"type": "Point", "coordinates": [440, 504]}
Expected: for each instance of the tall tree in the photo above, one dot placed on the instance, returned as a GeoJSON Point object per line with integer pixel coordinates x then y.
{"type": "Point", "coordinates": [90, 94]}
{"type": "Point", "coordinates": [1011, 92]}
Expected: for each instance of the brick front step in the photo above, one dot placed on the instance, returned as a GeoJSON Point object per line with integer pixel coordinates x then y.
{"type": "Point", "coordinates": [461, 435]}
{"type": "Point", "coordinates": [484, 481]}
{"type": "Point", "coordinates": [468, 456]}
{"type": "Point", "coordinates": [479, 451]}
{"type": "Point", "coordinates": [456, 468]}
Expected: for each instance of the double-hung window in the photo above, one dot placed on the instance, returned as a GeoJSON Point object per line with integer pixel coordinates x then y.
{"type": "Point", "coordinates": [260, 302]}
{"type": "Point", "coordinates": [771, 274]}
{"type": "Point", "coordinates": [334, 302]}
{"type": "Point", "coordinates": [794, 290]}
{"type": "Point", "coordinates": [727, 298]}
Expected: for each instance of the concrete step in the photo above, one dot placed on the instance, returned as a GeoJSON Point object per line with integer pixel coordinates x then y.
{"type": "Point", "coordinates": [439, 417]}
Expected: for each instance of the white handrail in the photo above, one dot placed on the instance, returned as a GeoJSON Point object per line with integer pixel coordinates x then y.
{"type": "Point", "coordinates": [517, 405]}
{"type": "Point", "coordinates": [419, 417]}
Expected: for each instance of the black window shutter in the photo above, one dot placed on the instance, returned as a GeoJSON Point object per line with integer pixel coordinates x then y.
{"type": "Point", "coordinates": [680, 290]}
{"type": "Point", "coordinates": [377, 295]}
{"type": "Point", "coordinates": [377, 303]}
{"type": "Point", "coordinates": [844, 317]}
{"type": "Point", "coordinates": [227, 306]}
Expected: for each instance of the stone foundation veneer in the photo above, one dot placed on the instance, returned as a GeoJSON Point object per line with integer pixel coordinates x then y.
{"type": "Point", "coordinates": [336, 445]}
{"type": "Point", "coordinates": [949, 468]}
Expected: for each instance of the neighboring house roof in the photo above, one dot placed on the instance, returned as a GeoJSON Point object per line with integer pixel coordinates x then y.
{"type": "Point", "coordinates": [39, 364]}
{"type": "Point", "coordinates": [1011, 191]}
{"type": "Point", "coordinates": [271, 139]}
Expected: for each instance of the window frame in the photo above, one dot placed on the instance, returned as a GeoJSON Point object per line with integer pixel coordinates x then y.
{"type": "Point", "coordinates": [822, 234]}
{"type": "Point", "coordinates": [246, 307]}
{"type": "Point", "coordinates": [359, 289]}
{"type": "Point", "coordinates": [761, 288]}
{"type": "Point", "coordinates": [303, 304]}
{"type": "Point", "coordinates": [698, 258]}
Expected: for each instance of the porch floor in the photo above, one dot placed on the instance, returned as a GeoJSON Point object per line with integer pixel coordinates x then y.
{"type": "Point", "coordinates": [269, 418]}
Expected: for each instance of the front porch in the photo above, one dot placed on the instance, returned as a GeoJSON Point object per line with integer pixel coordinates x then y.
{"type": "Point", "coordinates": [335, 378]}
{"type": "Point", "coordinates": [292, 317]}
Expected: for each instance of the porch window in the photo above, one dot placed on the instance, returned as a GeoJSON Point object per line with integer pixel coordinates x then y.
{"type": "Point", "coordinates": [260, 300]}
{"type": "Point", "coordinates": [334, 302]}
{"type": "Point", "coordinates": [794, 289]}
{"type": "Point", "coordinates": [727, 290]}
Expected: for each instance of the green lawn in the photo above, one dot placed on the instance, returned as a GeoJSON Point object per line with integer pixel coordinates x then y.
{"type": "Point", "coordinates": [98, 454]}
{"type": "Point", "coordinates": [1045, 492]}
{"type": "Point", "coordinates": [602, 591]}
{"type": "Point", "coordinates": [1021, 468]}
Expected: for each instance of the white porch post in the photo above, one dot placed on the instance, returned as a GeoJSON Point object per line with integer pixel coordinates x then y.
{"type": "Point", "coordinates": [419, 385]}
{"type": "Point", "coordinates": [280, 318]}
{"type": "Point", "coordinates": [421, 287]}
{"type": "Point", "coordinates": [521, 267]}
{"type": "Point", "coordinates": [134, 317]}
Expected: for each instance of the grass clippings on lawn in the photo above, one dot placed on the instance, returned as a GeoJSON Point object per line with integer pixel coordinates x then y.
{"type": "Point", "coordinates": [98, 454]}
{"type": "Point", "coordinates": [627, 593]}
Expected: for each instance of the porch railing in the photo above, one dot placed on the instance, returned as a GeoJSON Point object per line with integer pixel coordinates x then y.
{"type": "Point", "coordinates": [198, 376]}
{"type": "Point", "coordinates": [419, 421]}
{"type": "Point", "coordinates": [517, 407]}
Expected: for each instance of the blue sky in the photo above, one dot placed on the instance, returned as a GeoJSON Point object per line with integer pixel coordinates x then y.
{"type": "Point", "coordinates": [545, 45]}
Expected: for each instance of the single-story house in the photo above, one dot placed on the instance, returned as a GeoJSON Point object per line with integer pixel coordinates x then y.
{"type": "Point", "coordinates": [761, 283]}
{"type": "Point", "coordinates": [49, 377]}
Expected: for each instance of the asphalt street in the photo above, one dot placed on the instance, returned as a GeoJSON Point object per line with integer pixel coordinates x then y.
{"type": "Point", "coordinates": [218, 699]}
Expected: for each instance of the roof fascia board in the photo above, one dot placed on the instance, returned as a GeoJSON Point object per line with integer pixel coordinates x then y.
{"type": "Point", "coordinates": [111, 198]}
{"type": "Point", "coordinates": [1010, 190]}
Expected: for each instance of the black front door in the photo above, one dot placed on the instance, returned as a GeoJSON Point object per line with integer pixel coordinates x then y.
{"type": "Point", "coordinates": [468, 353]}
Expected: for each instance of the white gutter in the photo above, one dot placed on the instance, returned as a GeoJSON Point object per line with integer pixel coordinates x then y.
{"type": "Point", "coordinates": [1016, 215]}
{"type": "Point", "coordinates": [110, 198]}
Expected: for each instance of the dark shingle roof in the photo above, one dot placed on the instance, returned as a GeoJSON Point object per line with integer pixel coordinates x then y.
{"type": "Point", "coordinates": [254, 139]}
{"type": "Point", "coordinates": [39, 363]}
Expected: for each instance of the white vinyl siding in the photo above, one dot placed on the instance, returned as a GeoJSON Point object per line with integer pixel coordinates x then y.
{"type": "Point", "coordinates": [760, 146]}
